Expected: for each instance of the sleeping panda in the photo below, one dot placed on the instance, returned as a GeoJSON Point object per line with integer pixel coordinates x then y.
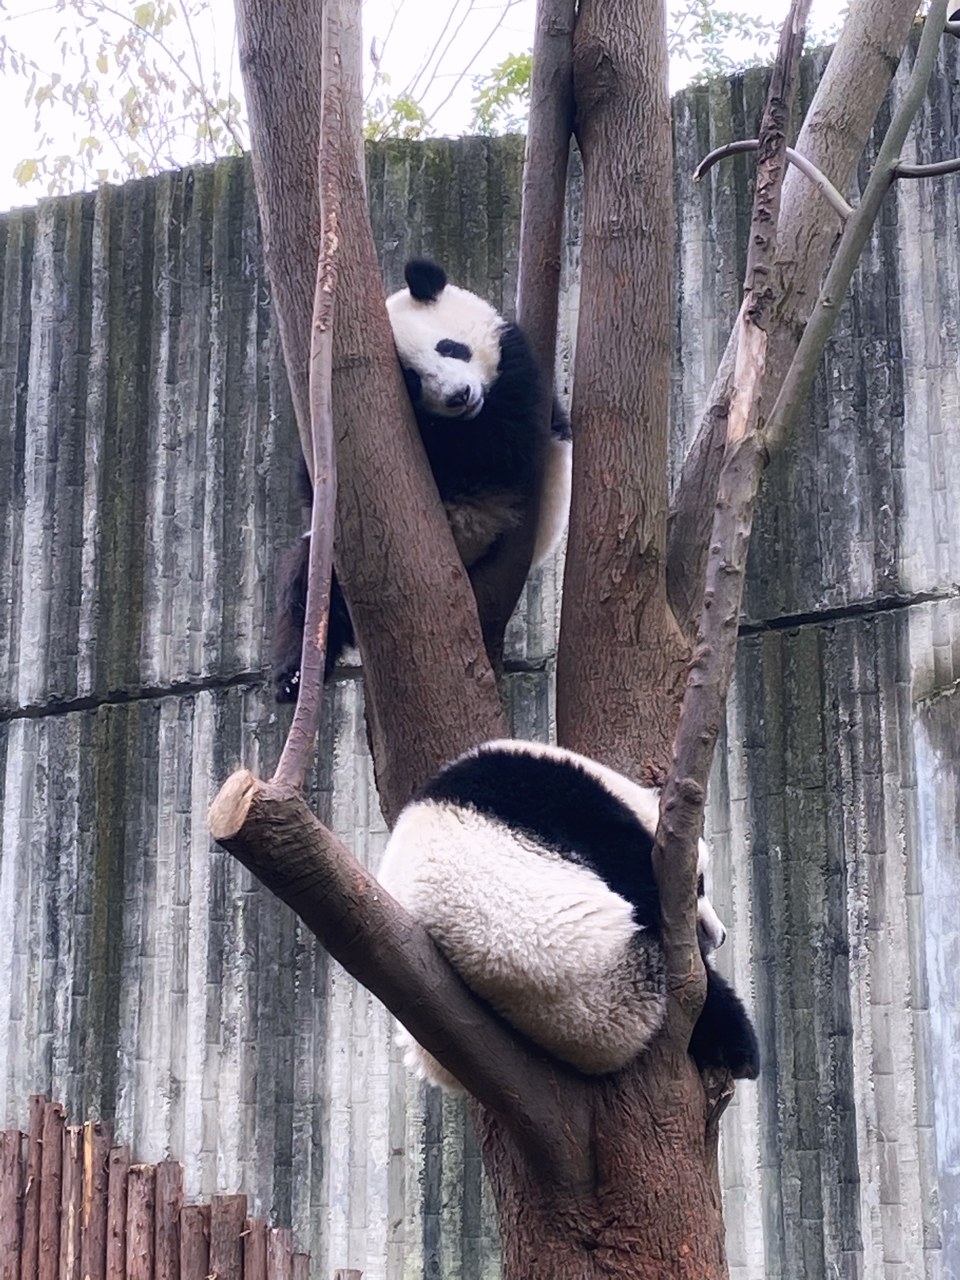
{"type": "Point", "coordinates": [530, 867]}
{"type": "Point", "coordinates": [480, 406]}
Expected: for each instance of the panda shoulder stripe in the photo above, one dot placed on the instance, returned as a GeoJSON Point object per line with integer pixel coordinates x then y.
{"type": "Point", "coordinates": [558, 801]}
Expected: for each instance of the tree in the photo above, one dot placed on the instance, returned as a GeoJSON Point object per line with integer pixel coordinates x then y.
{"type": "Point", "coordinates": [140, 85]}
{"type": "Point", "coordinates": [580, 1167]}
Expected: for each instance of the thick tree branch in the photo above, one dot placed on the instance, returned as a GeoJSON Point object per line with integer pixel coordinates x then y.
{"type": "Point", "coordinates": [709, 678]}
{"type": "Point", "coordinates": [429, 689]}
{"type": "Point", "coordinates": [279, 46]}
{"type": "Point", "coordinates": [833, 136]}
{"type": "Point", "coordinates": [412, 606]}
{"type": "Point", "coordinates": [294, 758]}
{"type": "Point", "coordinates": [937, 169]}
{"type": "Point", "coordinates": [545, 178]}
{"type": "Point", "coordinates": [269, 828]}
{"type": "Point", "coordinates": [820, 181]}
{"type": "Point", "coordinates": [621, 664]}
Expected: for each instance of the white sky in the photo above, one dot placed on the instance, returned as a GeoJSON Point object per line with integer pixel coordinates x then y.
{"type": "Point", "coordinates": [460, 52]}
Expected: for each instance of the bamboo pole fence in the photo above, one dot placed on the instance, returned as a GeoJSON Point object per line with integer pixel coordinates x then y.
{"type": "Point", "coordinates": [73, 1206]}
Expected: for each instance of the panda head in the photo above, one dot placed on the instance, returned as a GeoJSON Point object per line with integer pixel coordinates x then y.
{"type": "Point", "coordinates": [447, 340]}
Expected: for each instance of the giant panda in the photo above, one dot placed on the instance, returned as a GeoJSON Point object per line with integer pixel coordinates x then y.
{"type": "Point", "coordinates": [480, 406]}
{"type": "Point", "coordinates": [530, 866]}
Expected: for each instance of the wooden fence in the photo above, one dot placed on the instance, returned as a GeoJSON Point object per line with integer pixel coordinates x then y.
{"type": "Point", "coordinates": [74, 1207]}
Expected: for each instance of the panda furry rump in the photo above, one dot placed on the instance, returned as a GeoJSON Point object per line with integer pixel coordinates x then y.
{"type": "Point", "coordinates": [531, 868]}
{"type": "Point", "coordinates": [495, 453]}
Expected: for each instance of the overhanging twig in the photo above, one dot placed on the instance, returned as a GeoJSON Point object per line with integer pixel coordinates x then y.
{"type": "Point", "coordinates": [807, 167]}
{"type": "Point", "coordinates": [934, 170]}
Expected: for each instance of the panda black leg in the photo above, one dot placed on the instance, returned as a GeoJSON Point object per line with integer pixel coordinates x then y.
{"type": "Point", "coordinates": [288, 626]}
{"type": "Point", "coordinates": [724, 1037]}
{"type": "Point", "coordinates": [291, 613]}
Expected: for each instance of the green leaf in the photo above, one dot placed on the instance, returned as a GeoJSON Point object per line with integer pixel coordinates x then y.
{"type": "Point", "coordinates": [25, 171]}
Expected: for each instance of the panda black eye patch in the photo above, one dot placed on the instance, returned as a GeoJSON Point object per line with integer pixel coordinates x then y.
{"type": "Point", "coordinates": [454, 350]}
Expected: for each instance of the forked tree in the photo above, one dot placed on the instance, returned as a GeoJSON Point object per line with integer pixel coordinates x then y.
{"type": "Point", "coordinates": [580, 1167]}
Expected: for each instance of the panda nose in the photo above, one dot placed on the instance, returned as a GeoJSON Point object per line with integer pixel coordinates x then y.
{"type": "Point", "coordinates": [459, 398]}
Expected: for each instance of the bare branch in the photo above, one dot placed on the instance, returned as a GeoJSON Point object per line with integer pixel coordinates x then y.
{"type": "Point", "coordinates": [832, 138]}
{"type": "Point", "coordinates": [935, 170]}
{"type": "Point", "coordinates": [740, 474]}
{"type": "Point", "coordinates": [412, 85]}
{"type": "Point", "coordinates": [269, 828]}
{"type": "Point", "coordinates": [277, 47]}
{"type": "Point", "coordinates": [952, 28]}
{"type": "Point", "coordinates": [771, 168]}
{"type": "Point", "coordinates": [294, 758]}
{"type": "Point", "coordinates": [464, 70]}
{"type": "Point", "coordinates": [799, 378]}
{"type": "Point", "coordinates": [820, 180]}
{"type": "Point", "coordinates": [709, 677]}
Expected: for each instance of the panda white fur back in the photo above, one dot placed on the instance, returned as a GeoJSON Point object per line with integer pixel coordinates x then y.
{"type": "Point", "coordinates": [494, 448]}
{"type": "Point", "coordinates": [531, 868]}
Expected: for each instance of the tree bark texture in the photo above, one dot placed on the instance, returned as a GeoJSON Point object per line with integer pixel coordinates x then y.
{"type": "Point", "coordinates": [652, 1207]}
{"type": "Point", "coordinates": [621, 662]}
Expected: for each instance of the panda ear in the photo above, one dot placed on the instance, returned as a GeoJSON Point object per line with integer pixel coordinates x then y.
{"type": "Point", "coordinates": [425, 280]}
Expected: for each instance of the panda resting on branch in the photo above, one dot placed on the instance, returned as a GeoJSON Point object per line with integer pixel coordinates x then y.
{"type": "Point", "coordinates": [531, 868]}
{"type": "Point", "coordinates": [496, 452]}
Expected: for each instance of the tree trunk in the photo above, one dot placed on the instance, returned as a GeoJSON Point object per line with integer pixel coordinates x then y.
{"type": "Point", "coordinates": [652, 1209]}
{"type": "Point", "coordinates": [621, 662]}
